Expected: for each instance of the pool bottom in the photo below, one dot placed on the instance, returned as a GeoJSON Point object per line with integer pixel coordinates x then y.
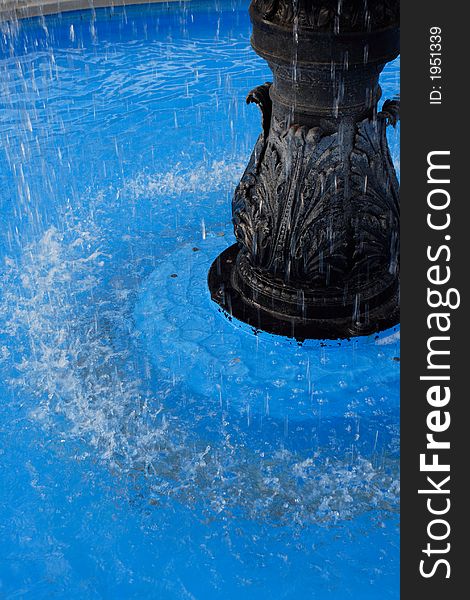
{"type": "Point", "coordinates": [189, 338]}
{"type": "Point", "coordinates": [104, 539]}
{"type": "Point", "coordinates": [257, 466]}
{"type": "Point", "coordinates": [130, 474]}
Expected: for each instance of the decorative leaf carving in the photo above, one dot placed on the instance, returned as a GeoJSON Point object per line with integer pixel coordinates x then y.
{"type": "Point", "coordinates": [260, 96]}
{"type": "Point", "coordinates": [323, 15]}
{"type": "Point", "coordinates": [306, 214]}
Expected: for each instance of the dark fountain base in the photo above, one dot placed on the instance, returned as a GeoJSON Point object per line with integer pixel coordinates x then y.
{"type": "Point", "coordinates": [316, 214]}
{"type": "Point", "coordinates": [300, 314]}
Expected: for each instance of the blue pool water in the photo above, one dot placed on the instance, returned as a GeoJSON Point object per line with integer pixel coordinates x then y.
{"type": "Point", "coordinates": [149, 448]}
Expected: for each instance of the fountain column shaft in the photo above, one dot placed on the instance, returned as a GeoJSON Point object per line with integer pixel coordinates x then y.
{"type": "Point", "coordinates": [316, 214]}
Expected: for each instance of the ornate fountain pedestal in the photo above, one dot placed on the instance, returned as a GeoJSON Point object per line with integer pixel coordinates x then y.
{"type": "Point", "coordinates": [316, 214]}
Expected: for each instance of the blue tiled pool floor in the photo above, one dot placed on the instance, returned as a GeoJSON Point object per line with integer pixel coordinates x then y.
{"type": "Point", "coordinates": [150, 448]}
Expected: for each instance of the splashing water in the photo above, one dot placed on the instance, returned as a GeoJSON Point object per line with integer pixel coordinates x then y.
{"type": "Point", "coordinates": [145, 439]}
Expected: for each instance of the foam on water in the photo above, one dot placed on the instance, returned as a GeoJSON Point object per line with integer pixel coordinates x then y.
{"type": "Point", "coordinates": [73, 365]}
{"type": "Point", "coordinates": [218, 176]}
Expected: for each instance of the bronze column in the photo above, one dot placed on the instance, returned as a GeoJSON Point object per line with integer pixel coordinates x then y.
{"type": "Point", "coordinates": [316, 214]}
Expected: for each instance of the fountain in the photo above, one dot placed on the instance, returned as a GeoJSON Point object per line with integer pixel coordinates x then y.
{"type": "Point", "coordinates": [133, 414]}
{"type": "Point", "coordinates": [316, 213]}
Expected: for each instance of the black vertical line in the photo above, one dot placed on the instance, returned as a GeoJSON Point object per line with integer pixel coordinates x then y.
{"type": "Point", "coordinates": [426, 128]}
